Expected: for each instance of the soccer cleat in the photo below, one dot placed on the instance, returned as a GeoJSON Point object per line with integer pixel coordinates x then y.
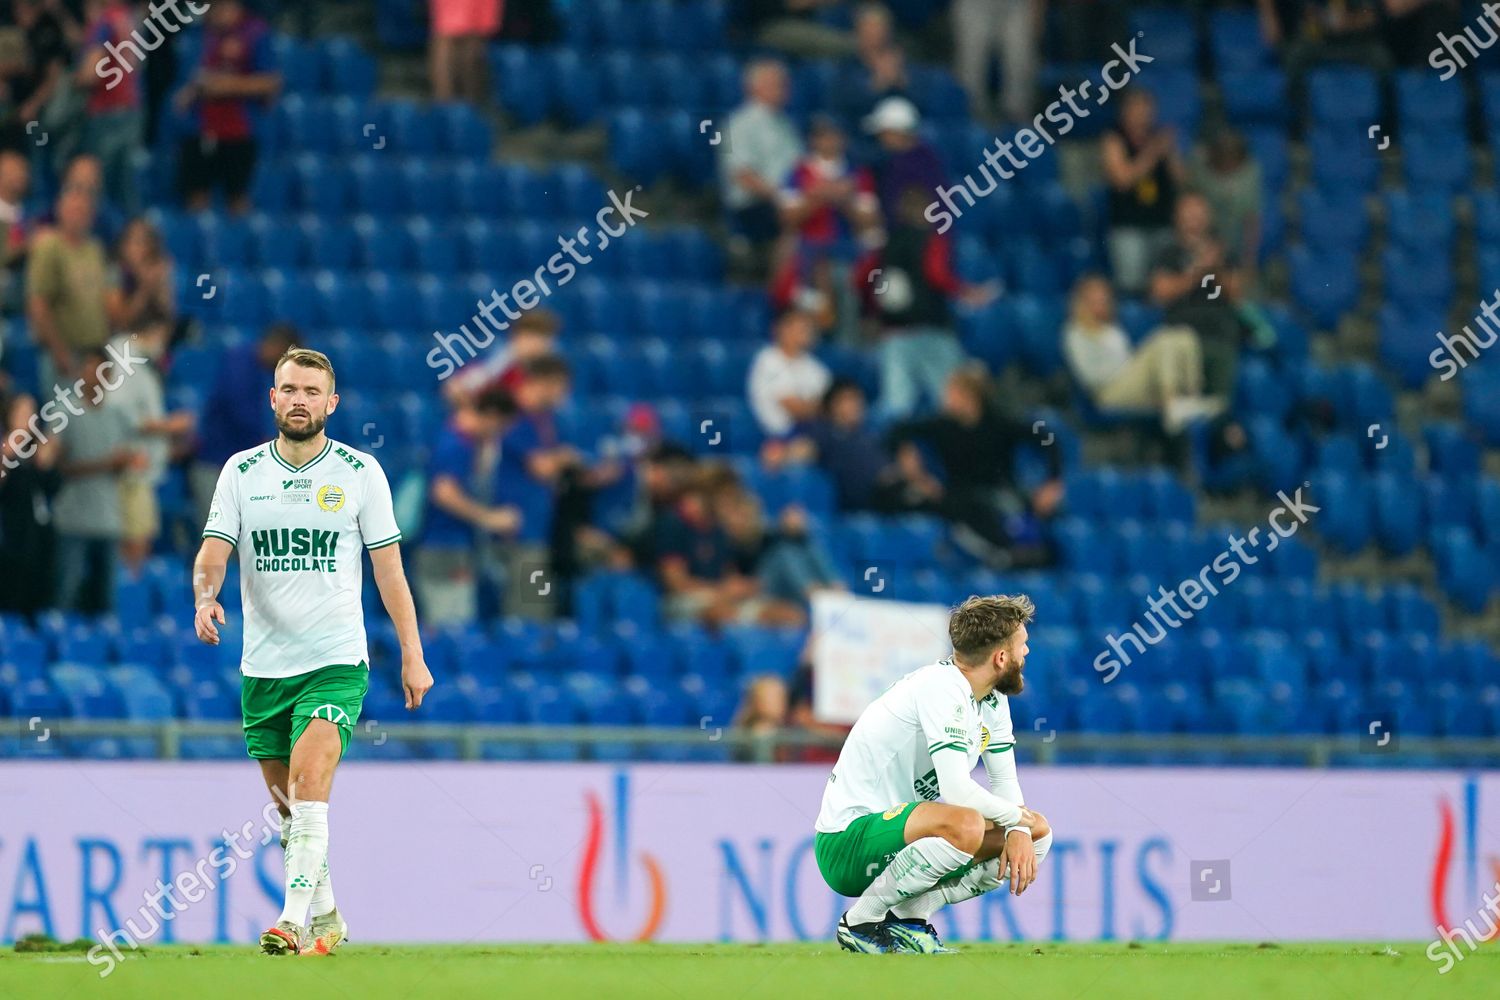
{"type": "Point", "coordinates": [867, 939]}
{"type": "Point", "coordinates": [327, 933]}
{"type": "Point", "coordinates": [283, 939]}
{"type": "Point", "coordinates": [916, 937]}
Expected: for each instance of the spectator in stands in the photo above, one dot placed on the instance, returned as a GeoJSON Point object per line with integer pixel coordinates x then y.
{"type": "Point", "coordinates": [228, 92]}
{"type": "Point", "coordinates": [873, 31]}
{"type": "Point", "coordinates": [759, 149]}
{"type": "Point", "coordinates": [85, 172]}
{"type": "Point", "coordinates": [1143, 169]}
{"type": "Point", "coordinates": [461, 509]}
{"type": "Point", "coordinates": [909, 285]}
{"type": "Point", "coordinates": [1308, 32]}
{"type": "Point", "coordinates": [115, 119]}
{"type": "Point", "coordinates": [1163, 376]}
{"type": "Point", "coordinates": [532, 336]}
{"type": "Point", "coordinates": [885, 75]}
{"type": "Point", "coordinates": [533, 461]}
{"type": "Point", "coordinates": [98, 449]}
{"type": "Point", "coordinates": [695, 563]}
{"type": "Point", "coordinates": [1231, 181]}
{"type": "Point", "coordinates": [763, 715]}
{"type": "Point", "coordinates": [786, 560]}
{"type": "Point", "coordinates": [142, 300]}
{"type": "Point", "coordinates": [15, 237]}
{"type": "Point", "coordinates": [140, 397]}
{"type": "Point", "coordinates": [1009, 29]}
{"type": "Point", "coordinates": [828, 206]}
{"type": "Point", "coordinates": [787, 382]}
{"type": "Point", "coordinates": [851, 452]}
{"type": "Point", "coordinates": [975, 445]}
{"type": "Point", "coordinates": [1082, 30]}
{"type": "Point", "coordinates": [26, 490]}
{"type": "Point", "coordinates": [905, 161]}
{"type": "Point", "coordinates": [237, 402]}
{"type": "Point", "coordinates": [34, 57]}
{"type": "Point", "coordinates": [1196, 281]}
{"type": "Point", "coordinates": [794, 26]}
{"type": "Point", "coordinates": [460, 29]}
{"type": "Point", "coordinates": [65, 286]}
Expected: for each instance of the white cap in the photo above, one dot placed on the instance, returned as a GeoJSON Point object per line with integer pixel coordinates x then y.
{"type": "Point", "coordinates": [893, 114]}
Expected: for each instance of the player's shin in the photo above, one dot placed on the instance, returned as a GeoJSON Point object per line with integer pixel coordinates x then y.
{"type": "Point", "coordinates": [306, 849]}
{"type": "Point", "coordinates": [982, 878]}
{"type": "Point", "coordinates": [912, 872]}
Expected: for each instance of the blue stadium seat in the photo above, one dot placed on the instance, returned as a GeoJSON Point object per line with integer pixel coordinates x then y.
{"type": "Point", "coordinates": [1325, 284]}
{"type": "Point", "coordinates": [1343, 95]}
{"type": "Point", "coordinates": [1235, 40]}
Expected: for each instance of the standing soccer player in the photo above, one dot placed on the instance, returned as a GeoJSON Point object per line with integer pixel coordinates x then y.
{"type": "Point", "coordinates": [298, 508]}
{"type": "Point", "coordinates": [880, 835]}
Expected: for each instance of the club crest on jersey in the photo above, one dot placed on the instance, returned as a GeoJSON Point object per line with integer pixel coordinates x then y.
{"type": "Point", "coordinates": [330, 497]}
{"type": "Point", "coordinates": [296, 490]}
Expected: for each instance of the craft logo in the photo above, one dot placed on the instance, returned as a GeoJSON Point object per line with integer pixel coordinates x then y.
{"type": "Point", "coordinates": [588, 876]}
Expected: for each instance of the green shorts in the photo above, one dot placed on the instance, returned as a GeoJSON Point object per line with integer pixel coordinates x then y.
{"type": "Point", "coordinates": [852, 858]}
{"type": "Point", "coordinates": [277, 709]}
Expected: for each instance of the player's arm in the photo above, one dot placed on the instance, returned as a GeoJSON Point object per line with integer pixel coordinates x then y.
{"type": "Point", "coordinates": [208, 576]}
{"type": "Point", "coordinates": [390, 580]}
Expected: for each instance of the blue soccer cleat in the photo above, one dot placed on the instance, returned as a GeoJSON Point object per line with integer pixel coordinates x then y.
{"type": "Point", "coordinates": [916, 937]}
{"type": "Point", "coordinates": [867, 939]}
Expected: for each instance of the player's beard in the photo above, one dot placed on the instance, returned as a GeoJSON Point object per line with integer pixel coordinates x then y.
{"type": "Point", "coordinates": [1010, 680]}
{"type": "Point", "coordinates": [306, 432]}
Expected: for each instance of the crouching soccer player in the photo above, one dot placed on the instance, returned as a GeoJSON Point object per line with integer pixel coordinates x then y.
{"type": "Point", "coordinates": [880, 835]}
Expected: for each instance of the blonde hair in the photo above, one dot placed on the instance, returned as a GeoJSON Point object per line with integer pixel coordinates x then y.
{"type": "Point", "coordinates": [980, 624]}
{"type": "Point", "coordinates": [306, 357]}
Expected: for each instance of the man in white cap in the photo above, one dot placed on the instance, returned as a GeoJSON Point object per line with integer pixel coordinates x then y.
{"type": "Point", "coordinates": [906, 160]}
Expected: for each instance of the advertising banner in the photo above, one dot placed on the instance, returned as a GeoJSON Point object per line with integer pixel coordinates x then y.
{"type": "Point", "coordinates": [463, 852]}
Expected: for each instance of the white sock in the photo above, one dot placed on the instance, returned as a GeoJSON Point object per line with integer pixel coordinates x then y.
{"type": "Point", "coordinates": [286, 830]}
{"type": "Point", "coordinates": [306, 849]}
{"type": "Point", "coordinates": [911, 872]}
{"type": "Point", "coordinates": [322, 899]}
{"type": "Point", "coordinates": [977, 881]}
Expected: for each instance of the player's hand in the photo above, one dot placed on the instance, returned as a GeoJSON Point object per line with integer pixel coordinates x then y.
{"type": "Point", "coordinates": [1019, 861]}
{"type": "Point", "coordinates": [416, 680]}
{"type": "Point", "coordinates": [203, 621]}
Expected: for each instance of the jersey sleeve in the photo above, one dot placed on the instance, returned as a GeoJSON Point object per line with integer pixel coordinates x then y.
{"type": "Point", "coordinates": [224, 513]}
{"type": "Point", "coordinates": [1000, 753]}
{"type": "Point", "coordinates": [941, 710]}
{"type": "Point", "coordinates": [377, 515]}
{"type": "Point", "coordinates": [996, 718]}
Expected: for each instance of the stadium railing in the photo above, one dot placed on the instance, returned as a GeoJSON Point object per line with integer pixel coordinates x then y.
{"type": "Point", "coordinates": [608, 742]}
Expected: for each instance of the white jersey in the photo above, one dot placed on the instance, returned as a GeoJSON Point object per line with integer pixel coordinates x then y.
{"type": "Point", "coordinates": [887, 759]}
{"type": "Point", "coordinates": [299, 531]}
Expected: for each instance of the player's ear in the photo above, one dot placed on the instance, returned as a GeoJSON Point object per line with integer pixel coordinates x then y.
{"type": "Point", "coordinates": [333, 402]}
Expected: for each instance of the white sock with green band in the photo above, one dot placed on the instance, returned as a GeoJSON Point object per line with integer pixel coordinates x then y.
{"type": "Point", "coordinates": [306, 852]}
{"type": "Point", "coordinates": [982, 878]}
{"type": "Point", "coordinates": [913, 871]}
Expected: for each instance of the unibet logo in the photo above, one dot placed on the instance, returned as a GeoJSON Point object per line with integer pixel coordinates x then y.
{"type": "Point", "coordinates": [295, 542]}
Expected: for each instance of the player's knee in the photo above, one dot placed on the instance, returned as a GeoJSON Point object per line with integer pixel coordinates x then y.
{"type": "Point", "coordinates": [1039, 827]}
{"type": "Point", "coordinates": [964, 829]}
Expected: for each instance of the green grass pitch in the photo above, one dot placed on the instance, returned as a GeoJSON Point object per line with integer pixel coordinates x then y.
{"type": "Point", "coordinates": [780, 971]}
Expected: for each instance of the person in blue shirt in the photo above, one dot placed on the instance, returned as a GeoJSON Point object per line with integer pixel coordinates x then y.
{"type": "Point", "coordinates": [533, 461]}
{"type": "Point", "coordinates": [461, 511]}
{"type": "Point", "coordinates": [235, 414]}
